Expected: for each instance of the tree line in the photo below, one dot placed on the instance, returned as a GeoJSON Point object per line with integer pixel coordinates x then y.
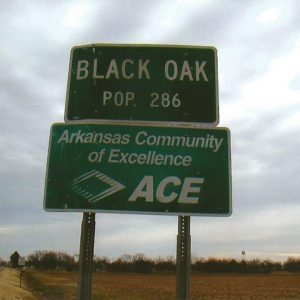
{"type": "Point", "coordinates": [139, 263]}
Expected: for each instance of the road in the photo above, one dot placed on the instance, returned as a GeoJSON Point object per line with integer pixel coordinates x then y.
{"type": "Point", "coordinates": [10, 286]}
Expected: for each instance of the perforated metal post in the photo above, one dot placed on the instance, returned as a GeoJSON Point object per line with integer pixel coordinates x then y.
{"type": "Point", "coordinates": [86, 255]}
{"type": "Point", "coordinates": [183, 259]}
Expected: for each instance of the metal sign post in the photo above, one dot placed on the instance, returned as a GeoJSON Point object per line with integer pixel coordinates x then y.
{"type": "Point", "coordinates": [183, 259]}
{"type": "Point", "coordinates": [86, 256]}
{"type": "Point", "coordinates": [21, 275]}
{"type": "Point", "coordinates": [21, 263]}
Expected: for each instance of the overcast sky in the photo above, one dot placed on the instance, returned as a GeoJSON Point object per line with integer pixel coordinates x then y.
{"type": "Point", "coordinates": [258, 45]}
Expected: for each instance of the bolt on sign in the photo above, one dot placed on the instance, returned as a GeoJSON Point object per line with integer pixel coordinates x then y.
{"type": "Point", "coordinates": [143, 83]}
{"type": "Point", "coordinates": [138, 169]}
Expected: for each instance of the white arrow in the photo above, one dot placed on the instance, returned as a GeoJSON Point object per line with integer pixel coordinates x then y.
{"type": "Point", "coordinates": [115, 186]}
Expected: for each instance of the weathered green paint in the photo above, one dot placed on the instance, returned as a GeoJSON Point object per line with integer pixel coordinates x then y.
{"type": "Point", "coordinates": [145, 83]}
{"type": "Point", "coordinates": [87, 172]}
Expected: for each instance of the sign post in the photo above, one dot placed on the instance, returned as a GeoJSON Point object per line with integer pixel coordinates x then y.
{"type": "Point", "coordinates": [183, 259]}
{"type": "Point", "coordinates": [21, 263]}
{"type": "Point", "coordinates": [86, 256]}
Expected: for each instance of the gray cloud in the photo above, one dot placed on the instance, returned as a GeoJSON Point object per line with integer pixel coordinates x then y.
{"type": "Point", "coordinates": [255, 54]}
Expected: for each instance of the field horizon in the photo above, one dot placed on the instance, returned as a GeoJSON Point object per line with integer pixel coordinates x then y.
{"type": "Point", "coordinates": [58, 285]}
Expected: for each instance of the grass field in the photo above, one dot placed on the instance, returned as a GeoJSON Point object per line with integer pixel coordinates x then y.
{"type": "Point", "coordinates": [56, 285]}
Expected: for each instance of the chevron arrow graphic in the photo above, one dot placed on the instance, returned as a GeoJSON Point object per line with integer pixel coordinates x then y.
{"type": "Point", "coordinates": [92, 196]}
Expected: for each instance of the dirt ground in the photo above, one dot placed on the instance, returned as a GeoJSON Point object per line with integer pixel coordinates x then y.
{"type": "Point", "coordinates": [10, 286]}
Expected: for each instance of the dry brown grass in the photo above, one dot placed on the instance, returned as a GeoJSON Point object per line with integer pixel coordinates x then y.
{"type": "Point", "coordinates": [62, 285]}
{"type": "Point", "coordinates": [254, 286]}
{"type": "Point", "coordinates": [10, 286]}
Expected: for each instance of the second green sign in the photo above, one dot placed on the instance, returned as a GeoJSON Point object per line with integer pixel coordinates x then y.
{"type": "Point", "coordinates": [139, 169]}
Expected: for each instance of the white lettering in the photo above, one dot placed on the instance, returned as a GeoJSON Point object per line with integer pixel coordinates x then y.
{"type": "Point", "coordinates": [186, 71]}
{"type": "Point", "coordinates": [217, 144]}
{"type": "Point", "coordinates": [93, 156]}
{"type": "Point", "coordinates": [64, 137]}
{"type": "Point", "coordinates": [187, 188]}
{"type": "Point", "coordinates": [143, 190]}
{"type": "Point", "coordinates": [167, 70]}
{"type": "Point", "coordinates": [137, 139]}
{"type": "Point", "coordinates": [95, 67]}
{"type": "Point", "coordinates": [124, 73]}
{"type": "Point", "coordinates": [112, 70]}
{"type": "Point", "coordinates": [143, 68]}
{"type": "Point", "coordinates": [107, 95]}
{"type": "Point", "coordinates": [200, 70]}
{"type": "Point", "coordinates": [118, 98]}
{"type": "Point", "coordinates": [160, 192]}
{"type": "Point", "coordinates": [188, 194]}
{"type": "Point", "coordinates": [82, 69]}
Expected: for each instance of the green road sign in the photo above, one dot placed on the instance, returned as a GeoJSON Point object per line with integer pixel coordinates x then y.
{"type": "Point", "coordinates": [138, 169]}
{"type": "Point", "coordinates": [143, 83]}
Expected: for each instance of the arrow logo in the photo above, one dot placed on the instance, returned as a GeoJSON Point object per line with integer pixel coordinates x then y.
{"type": "Point", "coordinates": [82, 186]}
